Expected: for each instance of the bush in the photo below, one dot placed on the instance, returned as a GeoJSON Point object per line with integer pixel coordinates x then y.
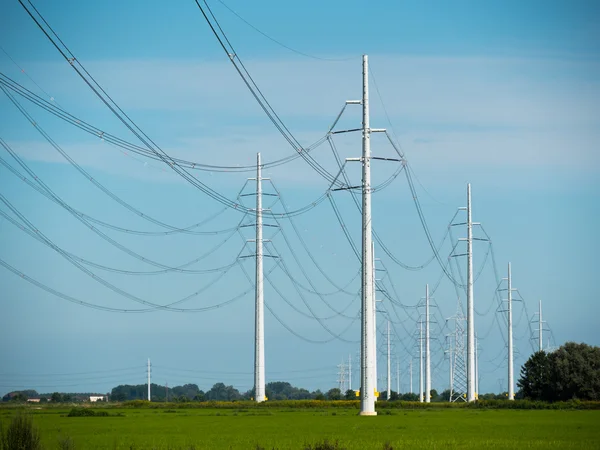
{"type": "Point", "coordinates": [21, 434]}
{"type": "Point", "coordinates": [66, 443]}
{"type": "Point", "coordinates": [325, 445]}
{"type": "Point", "coordinates": [86, 412]}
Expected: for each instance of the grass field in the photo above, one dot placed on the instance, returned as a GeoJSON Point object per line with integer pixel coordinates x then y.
{"type": "Point", "coordinates": [281, 428]}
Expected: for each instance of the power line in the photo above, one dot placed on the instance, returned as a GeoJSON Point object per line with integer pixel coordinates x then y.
{"type": "Point", "coordinates": [279, 42]}
{"type": "Point", "coordinates": [78, 122]}
{"type": "Point", "coordinates": [128, 122]}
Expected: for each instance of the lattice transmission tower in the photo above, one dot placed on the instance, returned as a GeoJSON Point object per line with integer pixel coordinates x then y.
{"type": "Point", "coordinates": [457, 355]}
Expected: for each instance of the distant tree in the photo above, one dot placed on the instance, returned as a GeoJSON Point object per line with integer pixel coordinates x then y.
{"type": "Point", "coordinates": [576, 370]}
{"type": "Point", "coordinates": [488, 396]}
{"type": "Point", "coordinates": [409, 397]}
{"type": "Point", "coordinates": [350, 395]}
{"type": "Point", "coordinates": [536, 377]}
{"type": "Point", "coordinates": [334, 394]}
{"type": "Point", "coordinates": [30, 393]}
{"type": "Point", "coordinates": [444, 396]}
{"type": "Point", "coordinates": [199, 397]}
{"type": "Point", "coordinates": [19, 397]}
{"type": "Point", "coordinates": [572, 371]}
{"type": "Point", "coordinates": [394, 396]}
{"type": "Point", "coordinates": [318, 395]}
{"type": "Point", "coordinates": [220, 392]}
{"type": "Point", "coordinates": [56, 397]}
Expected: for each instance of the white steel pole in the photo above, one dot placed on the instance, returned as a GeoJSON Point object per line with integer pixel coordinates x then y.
{"type": "Point", "coordinates": [374, 342]}
{"type": "Point", "coordinates": [350, 371]}
{"type": "Point", "coordinates": [470, 316]}
{"type": "Point", "coordinates": [411, 376]}
{"type": "Point", "coordinates": [476, 367]}
{"type": "Point", "coordinates": [367, 396]}
{"type": "Point", "coordinates": [149, 397]}
{"type": "Point", "coordinates": [259, 332]}
{"type": "Point", "coordinates": [389, 361]}
{"type": "Point", "coordinates": [398, 376]}
{"type": "Point", "coordinates": [451, 362]}
{"type": "Point", "coordinates": [427, 349]}
{"type": "Point", "coordinates": [541, 343]}
{"type": "Point", "coordinates": [511, 389]}
{"type": "Point", "coordinates": [421, 362]}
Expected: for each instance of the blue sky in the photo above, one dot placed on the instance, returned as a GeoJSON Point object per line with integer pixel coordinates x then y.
{"type": "Point", "coordinates": [503, 95]}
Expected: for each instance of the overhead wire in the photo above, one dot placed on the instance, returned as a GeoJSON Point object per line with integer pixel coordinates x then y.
{"type": "Point", "coordinates": [256, 92]}
{"type": "Point", "coordinates": [128, 146]}
{"type": "Point", "coordinates": [279, 42]}
{"type": "Point", "coordinates": [302, 242]}
{"type": "Point", "coordinates": [127, 121]}
{"type": "Point", "coordinates": [98, 279]}
{"type": "Point", "coordinates": [181, 268]}
{"type": "Point", "coordinates": [314, 316]}
{"type": "Point", "coordinates": [90, 178]}
{"type": "Point", "coordinates": [223, 269]}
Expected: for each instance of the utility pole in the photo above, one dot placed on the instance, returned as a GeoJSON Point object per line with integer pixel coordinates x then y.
{"type": "Point", "coordinates": [398, 376]}
{"type": "Point", "coordinates": [367, 395]}
{"type": "Point", "coordinates": [149, 398]}
{"type": "Point", "coordinates": [374, 341]}
{"type": "Point", "coordinates": [259, 326]}
{"type": "Point", "coordinates": [470, 315]}
{"type": "Point", "coordinates": [389, 377]}
{"type": "Point", "coordinates": [476, 367]}
{"type": "Point", "coordinates": [451, 362]}
{"type": "Point", "coordinates": [411, 374]}
{"type": "Point", "coordinates": [421, 362]}
{"type": "Point", "coordinates": [350, 371]}
{"type": "Point", "coordinates": [511, 389]}
{"type": "Point", "coordinates": [541, 342]}
{"type": "Point", "coordinates": [427, 350]}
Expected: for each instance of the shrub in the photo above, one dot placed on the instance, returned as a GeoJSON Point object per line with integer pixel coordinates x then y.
{"type": "Point", "coordinates": [325, 445]}
{"type": "Point", "coordinates": [66, 443]}
{"type": "Point", "coordinates": [86, 412]}
{"type": "Point", "coordinates": [21, 434]}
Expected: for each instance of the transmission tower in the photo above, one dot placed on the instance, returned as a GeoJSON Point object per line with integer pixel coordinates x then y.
{"type": "Point", "coordinates": [259, 325]}
{"type": "Point", "coordinates": [368, 350]}
{"type": "Point", "coordinates": [511, 388]}
{"type": "Point", "coordinates": [397, 375]}
{"type": "Point", "coordinates": [427, 349]}
{"type": "Point", "coordinates": [421, 361]}
{"type": "Point", "coordinates": [389, 362]}
{"type": "Point", "coordinates": [350, 371]}
{"type": "Point", "coordinates": [470, 314]}
{"type": "Point", "coordinates": [457, 357]}
{"type": "Point", "coordinates": [342, 371]}
{"type": "Point", "coordinates": [540, 329]}
{"type": "Point", "coordinates": [149, 371]}
{"type": "Point", "coordinates": [411, 374]}
{"type": "Point", "coordinates": [374, 341]}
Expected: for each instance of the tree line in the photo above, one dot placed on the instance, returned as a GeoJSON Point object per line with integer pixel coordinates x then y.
{"type": "Point", "coordinates": [571, 372]}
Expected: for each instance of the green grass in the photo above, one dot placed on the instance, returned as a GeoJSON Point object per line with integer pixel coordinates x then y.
{"type": "Point", "coordinates": [286, 428]}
